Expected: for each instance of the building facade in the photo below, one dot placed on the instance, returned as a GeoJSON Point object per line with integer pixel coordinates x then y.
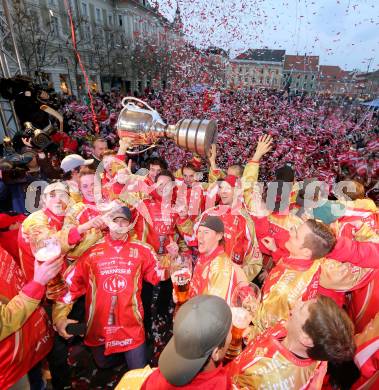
{"type": "Point", "coordinates": [256, 68]}
{"type": "Point", "coordinates": [366, 84]}
{"type": "Point", "coordinates": [301, 73]}
{"type": "Point", "coordinates": [335, 81]}
{"type": "Point", "coordinates": [119, 42]}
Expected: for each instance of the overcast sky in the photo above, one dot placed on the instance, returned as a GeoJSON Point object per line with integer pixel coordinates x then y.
{"type": "Point", "coordinates": [341, 32]}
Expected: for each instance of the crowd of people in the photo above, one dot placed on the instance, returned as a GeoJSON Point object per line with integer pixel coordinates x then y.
{"type": "Point", "coordinates": [88, 241]}
{"type": "Point", "coordinates": [348, 133]}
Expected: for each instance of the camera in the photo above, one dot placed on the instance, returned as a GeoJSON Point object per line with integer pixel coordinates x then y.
{"type": "Point", "coordinates": [39, 139]}
{"type": "Point", "coordinates": [34, 115]}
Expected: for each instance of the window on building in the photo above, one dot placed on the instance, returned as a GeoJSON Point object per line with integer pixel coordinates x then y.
{"type": "Point", "coordinates": [98, 15]}
{"type": "Point", "coordinates": [54, 26]}
{"type": "Point", "coordinates": [86, 31]}
{"type": "Point", "coordinates": [305, 77]}
{"type": "Point", "coordinates": [313, 77]}
{"type": "Point", "coordinates": [268, 80]}
{"type": "Point", "coordinates": [240, 69]}
{"type": "Point", "coordinates": [305, 86]}
{"type": "Point", "coordinates": [60, 59]}
{"type": "Point", "coordinates": [33, 16]}
{"type": "Point", "coordinates": [111, 40]}
{"type": "Point", "coordinates": [277, 71]}
{"type": "Point", "coordinates": [84, 9]}
{"type": "Point", "coordinates": [51, 3]}
{"type": "Point", "coordinates": [110, 20]}
{"type": "Point", "coordinates": [253, 80]}
{"type": "Point", "coordinates": [246, 79]}
{"type": "Point", "coordinates": [262, 70]}
{"type": "Point", "coordinates": [135, 25]}
{"type": "Point", "coordinates": [120, 20]}
{"type": "Point", "coordinates": [261, 80]}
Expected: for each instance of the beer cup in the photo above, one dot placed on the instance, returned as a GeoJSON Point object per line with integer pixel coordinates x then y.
{"type": "Point", "coordinates": [181, 273]}
{"type": "Point", "coordinates": [45, 250]}
{"type": "Point", "coordinates": [245, 300]}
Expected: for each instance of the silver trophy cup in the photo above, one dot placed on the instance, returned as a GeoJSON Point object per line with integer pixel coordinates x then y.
{"type": "Point", "coordinates": [146, 127]}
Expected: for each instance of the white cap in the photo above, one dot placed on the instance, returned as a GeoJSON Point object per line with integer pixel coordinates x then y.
{"type": "Point", "coordinates": [73, 161]}
{"type": "Point", "coordinates": [57, 186]}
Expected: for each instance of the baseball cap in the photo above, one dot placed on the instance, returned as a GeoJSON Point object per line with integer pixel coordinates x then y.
{"type": "Point", "coordinates": [73, 161]}
{"type": "Point", "coordinates": [122, 211]}
{"type": "Point", "coordinates": [200, 326]}
{"type": "Point", "coordinates": [214, 223]}
{"type": "Point", "coordinates": [57, 186]}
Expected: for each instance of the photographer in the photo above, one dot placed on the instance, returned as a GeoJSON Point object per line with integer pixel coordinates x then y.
{"type": "Point", "coordinates": [19, 170]}
{"type": "Point", "coordinates": [30, 155]}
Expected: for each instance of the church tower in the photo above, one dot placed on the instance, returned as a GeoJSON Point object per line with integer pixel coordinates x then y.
{"type": "Point", "coordinates": [177, 23]}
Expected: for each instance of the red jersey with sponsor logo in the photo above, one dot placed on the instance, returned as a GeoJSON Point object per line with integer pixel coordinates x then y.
{"type": "Point", "coordinates": [157, 223]}
{"type": "Point", "coordinates": [39, 225]}
{"type": "Point", "coordinates": [266, 364]}
{"type": "Point", "coordinates": [363, 210]}
{"type": "Point", "coordinates": [162, 225]}
{"type": "Point", "coordinates": [111, 274]}
{"type": "Point", "coordinates": [214, 274]}
{"type": "Point", "coordinates": [40, 222]}
{"type": "Point", "coordinates": [24, 348]}
{"type": "Point", "coordinates": [288, 282]}
{"type": "Point", "coordinates": [241, 244]}
{"type": "Point", "coordinates": [194, 197]}
{"type": "Point", "coordinates": [87, 212]}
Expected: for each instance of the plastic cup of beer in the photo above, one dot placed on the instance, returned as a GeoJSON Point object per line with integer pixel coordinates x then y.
{"type": "Point", "coordinates": [181, 273]}
{"type": "Point", "coordinates": [46, 250]}
{"type": "Point", "coordinates": [245, 300]}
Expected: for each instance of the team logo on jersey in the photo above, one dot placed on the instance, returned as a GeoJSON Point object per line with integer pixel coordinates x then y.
{"type": "Point", "coordinates": [115, 284]}
{"type": "Point", "coordinates": [118, 248]}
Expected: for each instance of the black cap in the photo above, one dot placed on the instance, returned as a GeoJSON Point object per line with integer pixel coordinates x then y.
{"type": "Point", "coordinates": [213, 223]}
{"type": "Point", "coordinates": [125, 211]}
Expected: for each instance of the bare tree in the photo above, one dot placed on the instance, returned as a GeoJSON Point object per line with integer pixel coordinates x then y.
{"type": "Point", "coordinates": [104, 53]}
{"type": "Point", "coordinates": [81, 31]}
{"type": "Point", "coordinates": [33, 39]}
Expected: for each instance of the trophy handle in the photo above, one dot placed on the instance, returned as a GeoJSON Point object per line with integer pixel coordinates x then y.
{"type": "Point", "coordinates": [141, 151]}
{"type": "Point", "coordinates": [132, 98]}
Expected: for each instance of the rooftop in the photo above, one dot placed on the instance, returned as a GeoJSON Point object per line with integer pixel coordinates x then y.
{"type": "Point", "coordinates": [263, 55]}
{"type": "Point", "coordinates": [331, 72]}
{"type": "Point", "coordinates": [302, 63]}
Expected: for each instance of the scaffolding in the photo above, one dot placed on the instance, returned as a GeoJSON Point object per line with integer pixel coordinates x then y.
{"type": "Point", "coordinates": [8, 117]}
